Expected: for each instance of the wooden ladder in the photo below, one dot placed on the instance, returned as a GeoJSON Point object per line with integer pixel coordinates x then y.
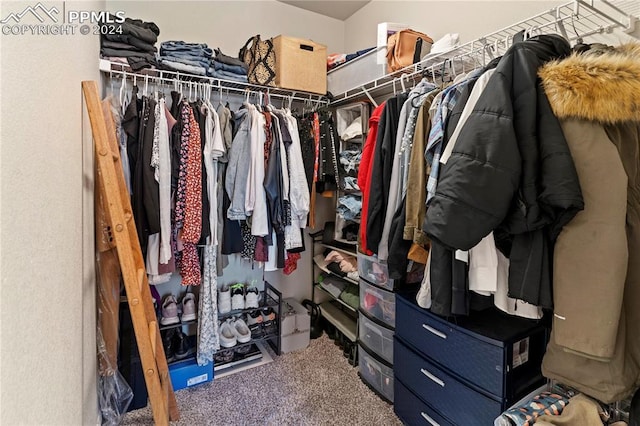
{"type": "Point", "coordinates": [117, 204]}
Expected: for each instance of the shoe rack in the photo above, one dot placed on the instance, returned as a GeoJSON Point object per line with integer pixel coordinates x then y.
{"type": "Point", "coordinates": [188, 329]}
{"type": "Point", "coordinates": [270, 297]}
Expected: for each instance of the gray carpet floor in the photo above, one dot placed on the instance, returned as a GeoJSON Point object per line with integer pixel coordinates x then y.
{"type": "Point", "coordinates": [315, 386]}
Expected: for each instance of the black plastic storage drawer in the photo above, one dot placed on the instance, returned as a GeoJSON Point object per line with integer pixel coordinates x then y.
{"type": "Point", "coordinates": [447, 395]}
{"type": "Point", "coordinates": [499, 353]}
{"type": "Point", "coordinates": [412, 411]}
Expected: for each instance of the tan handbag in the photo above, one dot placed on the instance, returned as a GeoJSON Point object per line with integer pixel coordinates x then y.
{"type": "Point", "coordinates": [401, 48]}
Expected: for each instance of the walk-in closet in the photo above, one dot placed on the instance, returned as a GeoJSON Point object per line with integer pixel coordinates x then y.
{"type": "Point", "coordinates": [320, 212]}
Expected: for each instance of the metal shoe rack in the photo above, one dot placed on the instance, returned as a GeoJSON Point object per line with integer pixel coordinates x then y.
{"type": "Point", "coordinates": [269, 297]}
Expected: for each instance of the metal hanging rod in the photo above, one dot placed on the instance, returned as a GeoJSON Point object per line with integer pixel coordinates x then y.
{"type": "Point", "coordinates": [573, 20]}
{"type": "Point", "coordinates": [190, 80]}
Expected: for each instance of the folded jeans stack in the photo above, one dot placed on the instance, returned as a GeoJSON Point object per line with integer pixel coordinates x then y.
{"type": "Point", "coordinates": [350, 206]}
{"type": "Point", "coordinates": [190, 58]}
{"type": "Point", "coordinates": [226, 67]}
{"type": "Point", "coordinates": [136, 43]}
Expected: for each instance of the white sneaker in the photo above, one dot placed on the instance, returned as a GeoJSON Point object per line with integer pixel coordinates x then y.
{"type": "Point", "coordinates": [243, 334]}
{"type": "Point", "coordinates": [227, 334]}
{"type": "Point", "coordinates": [237, 296]}
{"type": "Point", "coordinates": [251, 299]}
{"type": "Point", "coordinates": [224, 300]}
{"type": "Point", "coordinates": [169, 311]}
{"type": "Point", "coordinates": [189, 307]}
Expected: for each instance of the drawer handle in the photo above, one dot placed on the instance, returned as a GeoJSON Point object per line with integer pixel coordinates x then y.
{"type": "Point", "coordinates": [429, 419]}
{"type": "Point", "coordinates": [438, 333]}
{"type": "Point", "coordinates": [432, 377]}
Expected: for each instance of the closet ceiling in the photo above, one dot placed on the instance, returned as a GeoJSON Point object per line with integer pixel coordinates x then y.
{"type": "Point", "coordinates": [335, 9]}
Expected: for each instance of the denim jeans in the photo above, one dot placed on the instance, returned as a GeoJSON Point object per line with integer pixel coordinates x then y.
{"type": "Point", "coordinates": [180, 46]}
{"type": "Point", "coordinates": [235, 69]}
{"type": "Point", "coordinates": [204, 63]}
{"type": "Point", "coordinates": [177, 66]}
{"type": "Point", "coordinates": [239, 165]}
{"type": "Point", "coordinates": [349, 206]}
{"type": "Point", "coordinates": [224, 75]}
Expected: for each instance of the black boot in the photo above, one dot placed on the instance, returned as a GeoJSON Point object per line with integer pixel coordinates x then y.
{"type": "Point", "coordinates": [167, 343]}
{"type": "Point", "coordinates": [634, 411]}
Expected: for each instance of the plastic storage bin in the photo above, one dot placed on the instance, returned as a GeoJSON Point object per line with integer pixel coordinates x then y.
{"type": "Point", "coordinates": [355, 73]}
{"type": "Point", "coordinates": [373, 271]}
{"type": "Point", "coordinates": [376, 337]}
{"type": "Point", "coordinates": [375, 373]}
{"type": "Point", "coordinates": [378, 303]}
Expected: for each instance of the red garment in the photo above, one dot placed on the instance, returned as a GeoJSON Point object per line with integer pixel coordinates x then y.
{"type": "Point", "coordinates": [189, 205]}
{"type": "Point", "coordinates": [364, 173]}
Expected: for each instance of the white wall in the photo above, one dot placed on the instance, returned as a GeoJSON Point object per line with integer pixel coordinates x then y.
{"type": "Point", "coordinates": [47, 299]}
{"type": "Point", "coordinates": [471, 19]}
{"type": "Point", "coordinates": [228, 24]}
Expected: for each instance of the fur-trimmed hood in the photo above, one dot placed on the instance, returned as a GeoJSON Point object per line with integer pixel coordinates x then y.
{"type": "Point", "coordinates": [601, 86]}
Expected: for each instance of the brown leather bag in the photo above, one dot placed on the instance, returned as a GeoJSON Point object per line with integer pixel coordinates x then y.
{"type": "Point", "coordinates": [401, 48]}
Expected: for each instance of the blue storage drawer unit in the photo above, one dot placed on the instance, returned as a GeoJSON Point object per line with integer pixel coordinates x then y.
{"type": "Point", "coordinates": [412, 411]}
{"type": "Point", "coordinates": [491, 350]}
{"type": "Point", "coordinates": [463, 405]}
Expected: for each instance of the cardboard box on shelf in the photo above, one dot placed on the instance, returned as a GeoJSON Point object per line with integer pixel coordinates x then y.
{"type": "Point", "coordinates": [300, 64]}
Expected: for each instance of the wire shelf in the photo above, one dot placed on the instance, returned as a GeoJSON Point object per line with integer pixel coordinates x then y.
{"type": "Point", "coordinates": [202, 83]}
{"type": "Point", "coordinates": [578, 19]}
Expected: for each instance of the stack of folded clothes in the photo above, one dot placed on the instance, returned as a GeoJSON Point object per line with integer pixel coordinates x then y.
{"type": "Point", "coordinates": [228, 68]}
{"type": "Point", "coordinates": [336, 59]}
{"type": "Point", "coordinates": [190, 58]}
{"type": "Point", "coordinates": [135, 46]}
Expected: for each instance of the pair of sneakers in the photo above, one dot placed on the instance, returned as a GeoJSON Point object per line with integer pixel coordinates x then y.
{"type": "Point", "coordinates": [261, 322]}
{"type": "Point", "coordinates": [170, 311]}
{"type": "Point", "coordinates": [236, 297]}
{"type": "Point", "coordinates": [233, 331]}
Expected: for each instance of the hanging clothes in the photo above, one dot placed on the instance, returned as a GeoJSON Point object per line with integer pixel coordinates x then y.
{"type": "Point", "coordinates": [299, 196]}
{"type": "Point", "coordinates": [381, 170]}
{"type": "Point", "coordinates": [162, 174]}
{"type": "Point", "coordinates": [364, 174]}
{"type": "Point", "coordinates": [256, 201]}
{"type": "Point", "coordinates": [502, 156]}
{"type": "Point", "coordinates": [595, 340]}
{"type": "Point", "coordinates": [208, 338]}
{"type": "Point", "coordinates": [188, 220]}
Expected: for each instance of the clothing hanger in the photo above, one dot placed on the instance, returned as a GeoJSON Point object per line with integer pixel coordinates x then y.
{"type": "Point", "coordinates": [404, 89]}
{"type": "Point", "coordinates": [579, 41]}
{"type": "Point", "coordinates": [124, 94]}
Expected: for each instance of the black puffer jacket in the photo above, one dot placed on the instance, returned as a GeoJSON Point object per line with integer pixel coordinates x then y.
{"type": "Point", "coordinates": [511, 171]}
